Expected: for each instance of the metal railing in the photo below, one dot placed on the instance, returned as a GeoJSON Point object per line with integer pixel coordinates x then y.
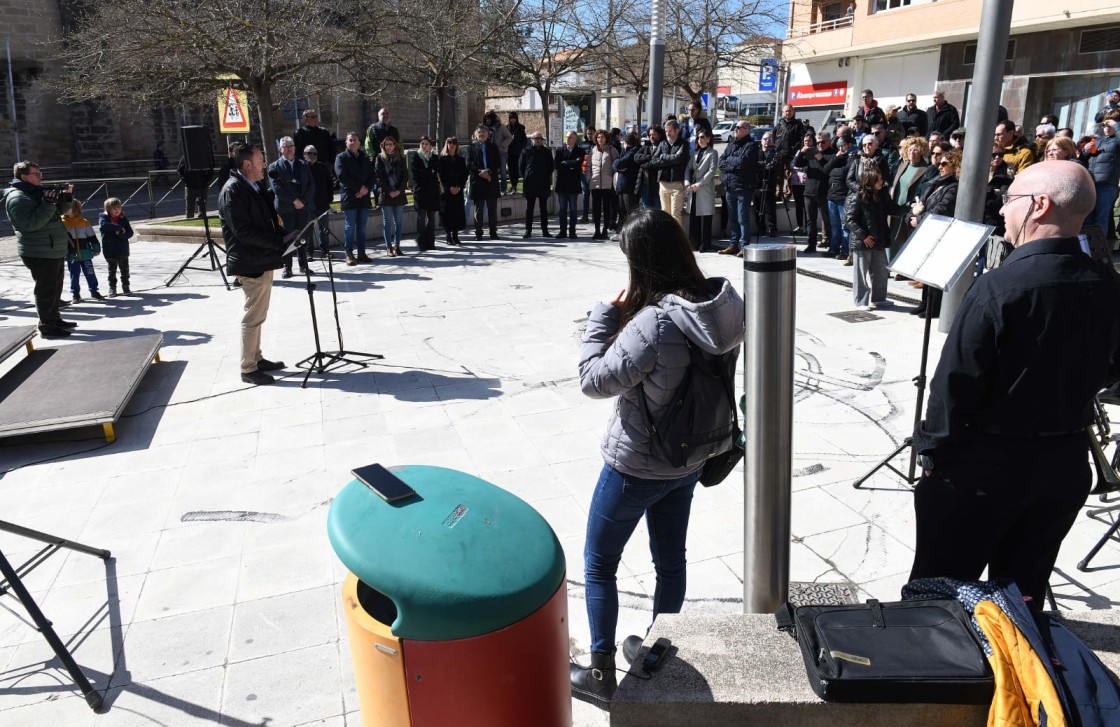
{"type": "Point", "coordinates": [822, 27]}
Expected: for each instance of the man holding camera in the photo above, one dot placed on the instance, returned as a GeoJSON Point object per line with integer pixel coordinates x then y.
{"type": "Point", "coordinates": [35, 213]}
{"type": "Point", "coordinates": [254, 244]}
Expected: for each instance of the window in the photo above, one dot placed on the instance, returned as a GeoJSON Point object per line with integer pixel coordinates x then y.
{"type": "Point", "coordinates": [970, 52]}
{"type": "Point", "coordinates": [1101, 39]}
{"type": "Point", "coordinates": [831, 11]}
{"type": "Point", "coordinates": [881, 5]}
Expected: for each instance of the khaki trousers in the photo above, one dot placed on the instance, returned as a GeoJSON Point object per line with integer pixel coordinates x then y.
{"type": "Point", "coordinates": [672, 200]}
{"type": "Point", "coordinates": [258, 292]}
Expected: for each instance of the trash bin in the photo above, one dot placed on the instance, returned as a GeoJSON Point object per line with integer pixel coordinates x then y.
{"type": "Point", "coordinates": [456, 604]}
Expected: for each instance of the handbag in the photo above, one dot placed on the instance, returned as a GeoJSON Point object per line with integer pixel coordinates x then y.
{"type": "Point", "coordinates": [922, 651]}
{"type": "Point", "coordinates": [719, 466]}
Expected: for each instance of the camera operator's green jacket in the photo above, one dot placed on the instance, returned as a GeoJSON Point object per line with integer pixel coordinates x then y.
{"type": "Point", "coordinates": [39, 229]}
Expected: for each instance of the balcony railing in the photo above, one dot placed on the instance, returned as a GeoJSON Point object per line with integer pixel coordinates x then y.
{"type": "Point", "coordinates": [822, 27]}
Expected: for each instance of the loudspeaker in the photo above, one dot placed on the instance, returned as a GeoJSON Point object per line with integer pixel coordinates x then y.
{"type": "Point", "coordinates": [198, 149]}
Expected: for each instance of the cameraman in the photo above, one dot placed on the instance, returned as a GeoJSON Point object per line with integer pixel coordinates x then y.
{"type": "Point", "coordinates": [770, 175]}
{"type": "Point", "coordinates": [41, 240]}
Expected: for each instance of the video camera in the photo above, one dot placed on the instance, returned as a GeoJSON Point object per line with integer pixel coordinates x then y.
{"type": "Point", "coordinates": [57, 193]}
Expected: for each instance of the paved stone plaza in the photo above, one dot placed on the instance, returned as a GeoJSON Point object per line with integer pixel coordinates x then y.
{"type": "Point", "coordinates": [222, 602]}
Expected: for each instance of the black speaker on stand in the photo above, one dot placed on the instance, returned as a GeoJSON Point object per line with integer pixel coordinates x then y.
{"type": "Point", "coordinates": [198, 155]}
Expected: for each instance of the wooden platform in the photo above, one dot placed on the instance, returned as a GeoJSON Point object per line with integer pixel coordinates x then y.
{"type": "Point", "coordinates": [76, 385]}
{"type": "Point", "coordinates": [12, 338]}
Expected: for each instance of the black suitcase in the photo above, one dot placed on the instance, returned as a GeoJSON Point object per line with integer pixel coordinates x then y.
{"type": "Point", "coordinates": [907, 651]}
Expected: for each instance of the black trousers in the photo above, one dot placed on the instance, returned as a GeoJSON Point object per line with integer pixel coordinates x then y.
{"type": "Point", "coordinates": [816, 209]}
{"type": "Point", "coordinates": [627, 203]}
{"type": "Point", "coordinates": [1001, 502]}
{"type": "Point", "coordinates": [798, 191]}
{"type": "Point", "coordinates": [295, 221]}
{"type": "Point", "coordinates": [425, 228]}
{"type": "Point", "coordinates": [765, 211]}
{"type": "Point", "coordinates": [117, 263]}
{"type": "Point", "coordinates": [492, 209]}
{"type": "Point", "coordinates": [700, 231]}
{"type": "Point", "coordinates": [47, 274]}
{"type": "Point", "coordinates": [602, 208]}
{"type": "Point", "coordinates": [542, 204]}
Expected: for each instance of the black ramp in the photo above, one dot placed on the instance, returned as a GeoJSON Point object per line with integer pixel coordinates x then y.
{"type": "Point", "coordinates": [74, 386]}
{"type": "Point", "coordinates": [11, 339]}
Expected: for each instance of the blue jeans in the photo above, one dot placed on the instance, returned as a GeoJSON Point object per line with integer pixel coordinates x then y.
{"type": "Point", "coordinates": [77, 268]}
{"type": "Point", "coordinates": [503, 172]}
{"type": "Point", "coordinates": [618, 504]}
{"type": "Point", "coordinates": [586, 185]}
{"type": "Point", "coordinates": [651, 197]}
{"type": "Point", "coordinates": [567, 211]}
{"type": "Point", "coordinates": [355, 230]}
{"type": "Point", "coordinates": [1106, 197]}
{"type": "Point", "coordinates": [838, 245]}
{"type": "Point", "coordinates": [739, 217]}
{"type": "Point", "coordinates": [392, 217]}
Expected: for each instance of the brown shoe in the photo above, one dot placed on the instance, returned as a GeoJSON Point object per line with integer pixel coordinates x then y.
{"type": "Point", "coordinates": [729, 250]}
{"type": "Point", "coordinates": [350, 260]}
{"type": "Point", "coordinates": [848, 261]}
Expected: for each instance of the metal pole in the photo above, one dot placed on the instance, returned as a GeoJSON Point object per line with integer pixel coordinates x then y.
{"type": "Point", "coordinates": [991, 51]}
{"type": "Point", "coordinates": [769, 282]}
{"type": "Point", "coordinates": [12, 97]}
{"type": "Point", "coordinates": [656, 61]}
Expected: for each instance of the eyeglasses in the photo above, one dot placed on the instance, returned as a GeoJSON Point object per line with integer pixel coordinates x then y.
{"type": "Point", "coordinates": [1006, 198]}
{"type": "Point", "coordinates": [311, 153]}
{"type": "Point", "coordinates": [945, 164]}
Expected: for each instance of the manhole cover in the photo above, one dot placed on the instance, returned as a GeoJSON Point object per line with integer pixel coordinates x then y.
{"type": "Point", "coordinates": [802, 593]}
{"type": "Point", "coordinates": [856, 316]}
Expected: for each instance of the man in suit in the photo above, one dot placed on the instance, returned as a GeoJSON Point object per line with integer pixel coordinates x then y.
{"type": "Point", "coordinates": [254, 245]}
{"type": "Point", "coordinates": [293, 186]}
{"type": "Point", "coordinates": [483, 163]}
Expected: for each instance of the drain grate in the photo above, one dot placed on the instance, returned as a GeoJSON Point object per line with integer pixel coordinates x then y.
{"type": "Point", "coordinates": [802, 593]}
{"type": "Point", "coordinates": [856, 316]}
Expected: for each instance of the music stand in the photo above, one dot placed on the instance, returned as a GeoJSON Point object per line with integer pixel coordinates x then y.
{"type": "Point", "coordinates": [322, 361]}
{"type": "Point", "coordinates": [937, 255]}
{"type": "Point", "coordinates": [209, 246]}
{"type": "Point", "coordinates": [12, 581]}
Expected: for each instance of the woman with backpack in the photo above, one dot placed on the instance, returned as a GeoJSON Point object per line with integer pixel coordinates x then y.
{"type": "Point", "coordinates": [638, 348]}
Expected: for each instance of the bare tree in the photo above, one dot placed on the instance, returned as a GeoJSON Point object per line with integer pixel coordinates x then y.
{"type": "Point", "coordinates": [550, 41]}
{"type": "Point", "coordinates": [443, 45]}
{"type": "Point", "coordinates": [625, 54]}
{"type": "Point", "coordinates": [704, 36]}
{"type": "Point", "coordinates": [154, 53]}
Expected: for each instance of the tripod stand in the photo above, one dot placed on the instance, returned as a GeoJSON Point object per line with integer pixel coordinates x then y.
{"type": "Point", "coordinates": [209, 246]}
{"type": "Point", "coordinates": [910, 475]}
{"type": "Point", "coordinates": [322, 361]}
{"type": "Point", "coordinates": [13, 582]}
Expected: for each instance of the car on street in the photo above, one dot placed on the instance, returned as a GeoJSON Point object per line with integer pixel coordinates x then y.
{"type": "Point", "coordinates": [725, 130]}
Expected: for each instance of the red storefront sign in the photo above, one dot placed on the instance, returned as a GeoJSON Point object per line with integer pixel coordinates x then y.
{"type": "Point", "coordinates": [818, 94]}
{"type": "Point", "coordinates": [723, 90]}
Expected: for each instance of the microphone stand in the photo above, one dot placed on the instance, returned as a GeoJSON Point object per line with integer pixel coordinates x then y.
{"type": "Point", "coordinates": [322, 361]}
{"type": "Point", "coordinates": [209, 245]}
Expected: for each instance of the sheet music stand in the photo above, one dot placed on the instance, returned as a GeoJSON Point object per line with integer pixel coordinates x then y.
{"type": "Point", "coordinates": [12, 581]}
{"type": "Point", "coordinates": [937, 254]}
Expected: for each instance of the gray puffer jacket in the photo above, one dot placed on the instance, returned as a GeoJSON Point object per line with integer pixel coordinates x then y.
{"type": "Point", "coordinates": [651, 351]}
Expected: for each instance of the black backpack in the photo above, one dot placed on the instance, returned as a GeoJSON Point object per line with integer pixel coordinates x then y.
{"type": "Point", "coordinates": [700, 421]}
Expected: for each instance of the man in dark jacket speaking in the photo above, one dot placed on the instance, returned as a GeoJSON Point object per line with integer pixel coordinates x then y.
{"type": "Point", "coordinates": [254, 245]}
{"type": "Point", "coordinates": [1007, 466]}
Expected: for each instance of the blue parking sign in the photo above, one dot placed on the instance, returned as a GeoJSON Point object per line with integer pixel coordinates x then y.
{"type": "Point", "coordinates": [767, 74]}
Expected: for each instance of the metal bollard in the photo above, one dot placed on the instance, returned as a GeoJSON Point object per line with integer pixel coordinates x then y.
{"type": "Point", "coordinates": [768, 292]}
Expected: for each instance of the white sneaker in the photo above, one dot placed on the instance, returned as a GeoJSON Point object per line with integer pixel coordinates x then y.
{"type": "Point", "coordinates": [863, 307]}
{"type": "Point", "coordinates": [872, 306]}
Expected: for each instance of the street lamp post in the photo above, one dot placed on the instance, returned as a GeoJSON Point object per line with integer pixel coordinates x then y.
{"type": "Point", "coordinates": [656, 61]}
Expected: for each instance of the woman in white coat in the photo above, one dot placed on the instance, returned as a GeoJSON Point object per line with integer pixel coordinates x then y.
{"type": "Point", "coordinates": [700, 190]}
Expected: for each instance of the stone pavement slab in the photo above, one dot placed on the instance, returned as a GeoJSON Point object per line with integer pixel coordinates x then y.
{"type": "Point", "coordinates": [222, 603]}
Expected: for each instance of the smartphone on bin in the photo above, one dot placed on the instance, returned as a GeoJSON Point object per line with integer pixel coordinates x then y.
{"type": "Point", "coordinates": [384, 483]}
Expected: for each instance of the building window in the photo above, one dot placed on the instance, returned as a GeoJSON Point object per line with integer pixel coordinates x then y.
{"type": "Point", "coordinates": [831, 11]}
{"type": "Point", "coordinates": [970, 52]}
{"type": "Point", "coordinates": [1099, 40]}
{"type": "Point", "coordinates": [882, 5]}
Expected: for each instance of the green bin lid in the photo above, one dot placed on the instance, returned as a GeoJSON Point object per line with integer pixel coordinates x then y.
{"type": "Point", "coordinates": [464, 558]}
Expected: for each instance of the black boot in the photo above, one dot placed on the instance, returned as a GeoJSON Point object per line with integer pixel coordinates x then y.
{"type": "Point", "coordinates": [594, 684]}
{"type": "Point", "coordinates": [447, 238]}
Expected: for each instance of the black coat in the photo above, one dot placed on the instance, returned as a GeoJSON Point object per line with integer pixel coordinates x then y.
{"type": "Point", "coordinates": [816, 178]}
{"type": "Point", "coordinates": [324, 186]}
{"type": "Point", "coordinates": [670, 160]}
{"type": "Point", "coordinates": [569, 169]}
{"type": "Point", "coordinates": [354, 172]}
{"type": "Point", "coordinates": [253, 238]}
{"type": "Point", "coordinates": [788, 136]}
{"type": "Point", "coordinates": [520, 141]}
{"type": "Point", "coordinates": [392, 176]}
{"type": "Point", "coordinates": [318, 137]}
{"type": "Point", "coordinates": [855, 168]}
{"type": "Point", "coordinates": [425, 182]}
{"type": "Point", "coordinates": [738, 165]}
{"type": "Point", "coordinates": [863, 218]}
{"type": "Point", "coordinates": [481, 188]}
{"type": "Point", "coordinates": [945, 121]}
{"type": "Point", "coordinates": [536, 168]}
{"type": "Point", "coordinates": [626, 169]}
{"type": "Point", "coordinates": [837, 171]}
{"type": "Point", "coordinates": [916, 118]}
{"type": "Point", "coordinates": [941, 197]}
{"type": "Point", "coordinates": [452, 171]}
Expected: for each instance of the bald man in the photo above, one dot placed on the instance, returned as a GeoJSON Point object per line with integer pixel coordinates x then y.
{"type": "Point", "coordinates": [1006, 466]}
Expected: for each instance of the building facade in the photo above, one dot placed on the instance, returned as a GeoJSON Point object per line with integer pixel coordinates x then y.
{"type": "Point", "coordinates": [1061, 59]}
